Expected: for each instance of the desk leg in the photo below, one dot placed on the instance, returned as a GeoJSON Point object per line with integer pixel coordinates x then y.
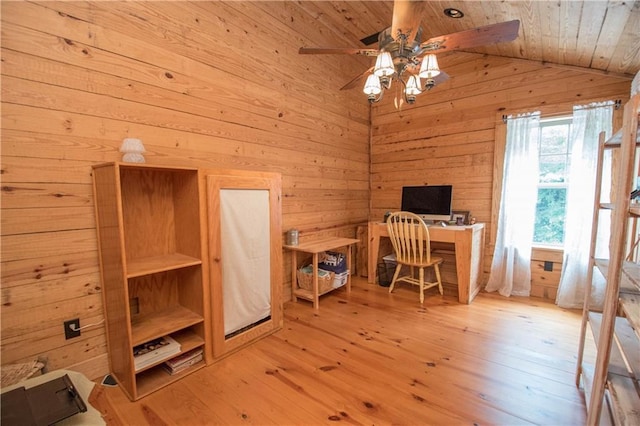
{"type": "Point", "coordinates": [463, 251]}
{"type": "Point", "coordinates": [294, 277]}
{"type": "Point", "coordinates": [349, 268]}
{"type": "Point", "coordinates": [316, 297]}
{"type": "Point", "coordinates": [373, 250]}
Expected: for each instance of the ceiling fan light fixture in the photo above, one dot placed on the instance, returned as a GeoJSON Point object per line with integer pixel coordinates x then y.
{"type": "Point", "coordinates": [453, 13]}
{"type": "Point", "coordinates": [384, 65]}
{"type": "Point", "coordinates": [372, 86]}
{"type": "Point", "coordinates": [413, 86]}
{"type": "Point", "coordinates": [429, 67]}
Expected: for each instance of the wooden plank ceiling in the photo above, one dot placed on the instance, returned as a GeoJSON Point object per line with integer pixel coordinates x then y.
{"type": "Point", "coordinates": [595, 35]}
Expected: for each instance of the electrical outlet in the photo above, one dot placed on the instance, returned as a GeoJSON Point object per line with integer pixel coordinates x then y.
{"type": "Point", "coordinates": [69, 333]}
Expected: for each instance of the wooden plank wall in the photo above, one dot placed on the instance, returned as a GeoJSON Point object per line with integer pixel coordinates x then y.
{"type": "Point", "coordinates": [218, 85]}
{"type": "Point", "coordinates": [203, 84]}
{"type": "Point", "coordinates": [449, 136]}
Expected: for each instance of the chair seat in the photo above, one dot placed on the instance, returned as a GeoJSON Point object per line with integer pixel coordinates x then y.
{"type": "Point", "coordinates": [425, 263]}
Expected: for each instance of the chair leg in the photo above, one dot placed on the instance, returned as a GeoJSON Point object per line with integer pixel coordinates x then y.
{"type": "Point", "coordinates": [421, 273]}
{"type": "Point", "coordinates": [437, 268]}
{"type": "Point", "coordinates": [395, 277]}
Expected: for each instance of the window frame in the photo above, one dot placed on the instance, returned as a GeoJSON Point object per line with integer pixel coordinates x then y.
{"type": "Point", "coordinates": [564, 120]}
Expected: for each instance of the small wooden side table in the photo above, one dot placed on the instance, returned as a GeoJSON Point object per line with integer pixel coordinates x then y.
{"type": "Point", "coordinates": [315, 247]}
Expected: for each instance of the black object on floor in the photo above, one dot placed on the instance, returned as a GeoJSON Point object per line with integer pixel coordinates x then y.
{"type": "Point", "coordinates": [42, 405]}
{"type": "Point", "coordinates": [109, 381]}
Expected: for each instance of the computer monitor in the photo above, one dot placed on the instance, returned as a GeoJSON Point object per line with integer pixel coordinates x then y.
{"type": "Point", "coordinates": [430, 202]}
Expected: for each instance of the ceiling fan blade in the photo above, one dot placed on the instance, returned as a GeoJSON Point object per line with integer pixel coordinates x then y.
{"type": "Point", "coordinates": [406, 18]}
{"type": "Point", "coordinates": [337, 51]}
{"type": "Point", "coordinates": [370, 39]}
{"type": "Point", "coordinates": [489, 34]}
{"type": "Point", "coordinates": [352, 83]}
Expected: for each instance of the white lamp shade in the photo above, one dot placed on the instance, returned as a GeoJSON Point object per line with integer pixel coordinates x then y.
{"type": "Point", "coordinates": [384, 65]}
{"type": "Point", "coordinates": [372, 85]}
{"type": "Point", "coordinates": [413, 86]}
{"type": "Point", "coordinates": [429, 67]}
{"type": "Point", "coordinates": [132, 145]}
{"type": "Point", "coordinates": [132, 149]}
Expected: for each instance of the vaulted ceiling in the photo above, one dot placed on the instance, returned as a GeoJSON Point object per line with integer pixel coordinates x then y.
{"type": "Point", "coordinates": [594, 35]}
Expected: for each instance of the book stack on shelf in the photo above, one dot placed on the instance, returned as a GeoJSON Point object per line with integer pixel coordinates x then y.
{"type": "Point", "coordinates": [184, 361]}
{"type": "Point", "coordinates": [154, 351]}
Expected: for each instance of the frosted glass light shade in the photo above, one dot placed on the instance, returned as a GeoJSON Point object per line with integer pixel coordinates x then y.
{"type": "Point", "coordinates": [384, 65]}
{"type": "Point", "coordinates": [413, 86]}
{"type": "Point", "coordinates": [132, 149]}
{"type": "Point", "coordinates": [372, 85]}
{"type": "Point", "coordinates": [429, 67]}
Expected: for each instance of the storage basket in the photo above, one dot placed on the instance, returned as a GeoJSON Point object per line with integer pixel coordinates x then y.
{"type": "Point", "coordinates": [305, 279]}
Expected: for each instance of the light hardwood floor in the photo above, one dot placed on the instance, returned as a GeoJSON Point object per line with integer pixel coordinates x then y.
{"type": "Point", "coordinates": [375, 358]}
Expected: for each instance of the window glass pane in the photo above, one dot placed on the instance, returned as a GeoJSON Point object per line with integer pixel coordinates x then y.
{"type": "Point", "coordinates": [553, 168]}
{"type": "Point", "coordinates": [555, 139]}
{"type": "Point", "coordinates": [554, 158]}
{"type": "Point", "coordinates": [550, 216]}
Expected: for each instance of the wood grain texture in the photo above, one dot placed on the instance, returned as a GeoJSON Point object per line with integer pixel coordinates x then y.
{"type": "Point", "coordinates": [202, 86]}
{"type": "Point", "coordinates": [376, 358]}
{"type": "Point", "coordinates": [221, 85]}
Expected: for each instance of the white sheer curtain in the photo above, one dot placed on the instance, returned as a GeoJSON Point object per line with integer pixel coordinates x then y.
{"type": "Point", "coordinates": [511, 265]}
{"type": "Point", "coordinates": [588, 122]}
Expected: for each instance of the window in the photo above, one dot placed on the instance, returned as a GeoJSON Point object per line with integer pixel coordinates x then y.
{"type": "Point", "coordinates": [554, 159]}
{"type": "Point", "coordinates": [546, 167]}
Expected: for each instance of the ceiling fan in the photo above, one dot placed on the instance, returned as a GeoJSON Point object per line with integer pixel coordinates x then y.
{"type": "Point", "coordinates": [403, 56]}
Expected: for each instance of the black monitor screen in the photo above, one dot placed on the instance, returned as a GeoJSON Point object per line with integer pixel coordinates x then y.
{"type": "Point", "coordinates": [431, 202]}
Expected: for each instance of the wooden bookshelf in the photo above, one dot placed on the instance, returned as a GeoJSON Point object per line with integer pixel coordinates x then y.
{"type": "Point", "coordinates": [611, 390]}
{"type": "Point", "coordinates": [149, 236]}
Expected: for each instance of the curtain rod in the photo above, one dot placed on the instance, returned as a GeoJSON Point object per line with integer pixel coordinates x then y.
{"type": "Point", "coordinates": [617, 104]}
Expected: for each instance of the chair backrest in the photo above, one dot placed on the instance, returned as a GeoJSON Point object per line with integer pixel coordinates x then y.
{"type": "Point", "coordinates": [410, 238]}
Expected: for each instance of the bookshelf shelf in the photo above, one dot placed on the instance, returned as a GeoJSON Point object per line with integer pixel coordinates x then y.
{"type": "Point", "coordinates": [157, 324]}
{"type": "Point", "coordinates": [156, 378]}
{"type": "Point", "coordinates": [162, 263]}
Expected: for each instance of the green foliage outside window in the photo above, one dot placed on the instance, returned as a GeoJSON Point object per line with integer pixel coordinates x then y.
{"type": "Point", "coordinates": [550, 215]}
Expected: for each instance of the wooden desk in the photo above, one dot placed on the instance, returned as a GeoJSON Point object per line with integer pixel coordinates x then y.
{"type": "Point", "coordinates": [468, 242]}
{"type": "Point", "coordinates": [316, 247]}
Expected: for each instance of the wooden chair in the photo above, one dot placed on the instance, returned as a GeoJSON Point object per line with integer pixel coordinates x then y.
{"type": "Point", "coordinates": [410, 238]}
